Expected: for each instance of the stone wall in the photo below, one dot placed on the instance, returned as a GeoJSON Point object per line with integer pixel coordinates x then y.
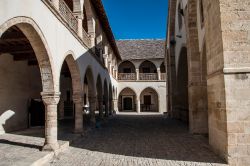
{"type": "Point", "coordinates": [22, 83]}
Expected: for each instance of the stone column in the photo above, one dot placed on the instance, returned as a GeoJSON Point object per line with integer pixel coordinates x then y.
{"type": "Point", "coordinates": [115, 104]}
{"type": "Point", "coordinates": [137, 74]}
{"type": "Point", "coordinates": [138, 105]}
{"type": "Point", "coordinates": [100, 103]}
{"type": "Point", "coordinates": [50, 101]}
{"type": "Point", "coordinates": [92, 108]}
{"type": "Point", "coordinates": [77, 99]}
{"type": "Point", "coordinates": [91, 28]}
{"type": "Point", "coordinates": [80, 29]}
{"type": "Point", "coordinates": [159, 73]}
{"type": "Point", "coordinates": [105, 57]}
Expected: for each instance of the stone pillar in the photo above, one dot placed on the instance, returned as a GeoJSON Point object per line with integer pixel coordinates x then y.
{"type": "Point", "coordinates": [50, 101]}
{"type": "Point", "coordinates": [138, 105]}
{"type": "Point", "coordinates": [105, 57]}
{"type": "Point", "coordinates": [91, 28]}
{"type": "Point", "coordinates": [100, 105]}
{"type": "Point", "coordinates": [92, 108]}
{"type": "Point", "coordinates": [137, 74]}
{"type": "Point", "coordinates": [80, 29]}
{"type": "Point", "coordinates": [159, 73]}
{"type": "Point", "coordinates": [115, 104]}
{"type": "Point", "coordinates": [55, 3]}
{"type": "Point", "coordinates": [77, 99]}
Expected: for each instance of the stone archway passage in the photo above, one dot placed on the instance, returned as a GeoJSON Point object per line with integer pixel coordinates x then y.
{"type": "Point", "coordinates": [22, 38]}
{"type": "Point", "coordinates": [127, 100]}
{"type": "Point", "coordinates": [149, 101]}
{"type": "Point", "coordinates": [181, 108]}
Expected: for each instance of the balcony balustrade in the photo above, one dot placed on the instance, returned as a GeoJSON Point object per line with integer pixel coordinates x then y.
{"type": "Point", "coordinates": [70, 19]}
{"type": "Point", "coordinates": [148, 76]}
{"type": "Point", "coordinates": [127, 76]}
{"type": "Point", "coordinates": [68, 15]}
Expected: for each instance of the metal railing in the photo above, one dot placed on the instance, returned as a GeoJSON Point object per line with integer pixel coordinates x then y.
{"type": "Point", "coordinates": [68, 15]}
{"type": "Point", "coordinates": [126, 76]}
{"type": "Point", "coordinates": [148, 76]}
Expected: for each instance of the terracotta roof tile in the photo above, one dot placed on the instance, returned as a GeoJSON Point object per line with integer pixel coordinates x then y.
{"type": "Point", "coordinates": [141, 49]}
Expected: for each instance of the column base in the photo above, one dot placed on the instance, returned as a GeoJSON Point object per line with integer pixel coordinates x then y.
{"type": "Point", "coordinates": [50, 147]}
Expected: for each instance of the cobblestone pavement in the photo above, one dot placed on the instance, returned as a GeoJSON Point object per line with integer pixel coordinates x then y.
{"type": "Point", "coordinates": [138, 140]}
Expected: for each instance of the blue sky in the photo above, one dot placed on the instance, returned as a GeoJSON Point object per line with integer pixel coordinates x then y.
{"type": "Point", "coordinates": [137, 19]}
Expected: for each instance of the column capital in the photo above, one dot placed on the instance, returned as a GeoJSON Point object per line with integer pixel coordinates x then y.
{"type": "Point", "coordinates": [50, 98]}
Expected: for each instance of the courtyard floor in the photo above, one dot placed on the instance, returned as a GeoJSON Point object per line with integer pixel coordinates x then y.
{"type": "Point", "coordinates": [138, 140]}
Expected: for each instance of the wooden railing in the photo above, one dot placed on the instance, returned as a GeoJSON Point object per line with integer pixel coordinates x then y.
{"type": "Point", "coordinates": [126, 76]}
{"type": "Point", "coordinates": [148, 76]}
{"type": "Point", "coordinates": [163, 76]}
{"type": "Point", "coordinates": [68, 15]}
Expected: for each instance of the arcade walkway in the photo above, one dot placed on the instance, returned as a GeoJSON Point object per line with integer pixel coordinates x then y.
{"type": "Point", "coordinates": [139, 140]}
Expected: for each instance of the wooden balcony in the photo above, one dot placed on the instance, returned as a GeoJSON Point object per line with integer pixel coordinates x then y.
{"type": "Point", "coordinates": [127, 76]}
{"type": "Point", "coordinates": [148, 76]}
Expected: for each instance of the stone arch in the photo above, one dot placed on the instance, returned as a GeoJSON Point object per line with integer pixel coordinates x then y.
{"type": "Point", "coordinates": [127, 63]}
{"type": "Point", "coordinates": [38, 42]}
{"type": "Point", "coordinates": [182, 105]}
{"type": "Point", "coordinates": [149, 100]}
{"type": "Point", "coordinates": [196, 89]}
{"type": "Point", "coordinates": [89, 75]}
{"type": "Point", "coordinates": [127, 100]}
{"type": "Point", "coordinates": [74, 71]}
{"type": "Point", "coordinates": [148, 64]}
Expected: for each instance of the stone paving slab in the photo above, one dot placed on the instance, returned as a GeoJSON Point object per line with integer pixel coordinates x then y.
{"type": "Point", "coordinates": [24, 147]}
{"type": "Point", "coordinates": [138, 141]}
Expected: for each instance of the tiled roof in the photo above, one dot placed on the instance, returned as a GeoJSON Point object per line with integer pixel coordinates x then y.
{"type": "Point", "coordinates": [141, 49]}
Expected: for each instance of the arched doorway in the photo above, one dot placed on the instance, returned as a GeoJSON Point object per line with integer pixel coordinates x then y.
{"type": "Point", "coordinates": [127, 100]}
{"type": "Point", "coordinates": [25, 72]}
{"type": "Point", "coordinates": [182, 87]}
{"type": "Point", "coordinates": [149, 100]}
